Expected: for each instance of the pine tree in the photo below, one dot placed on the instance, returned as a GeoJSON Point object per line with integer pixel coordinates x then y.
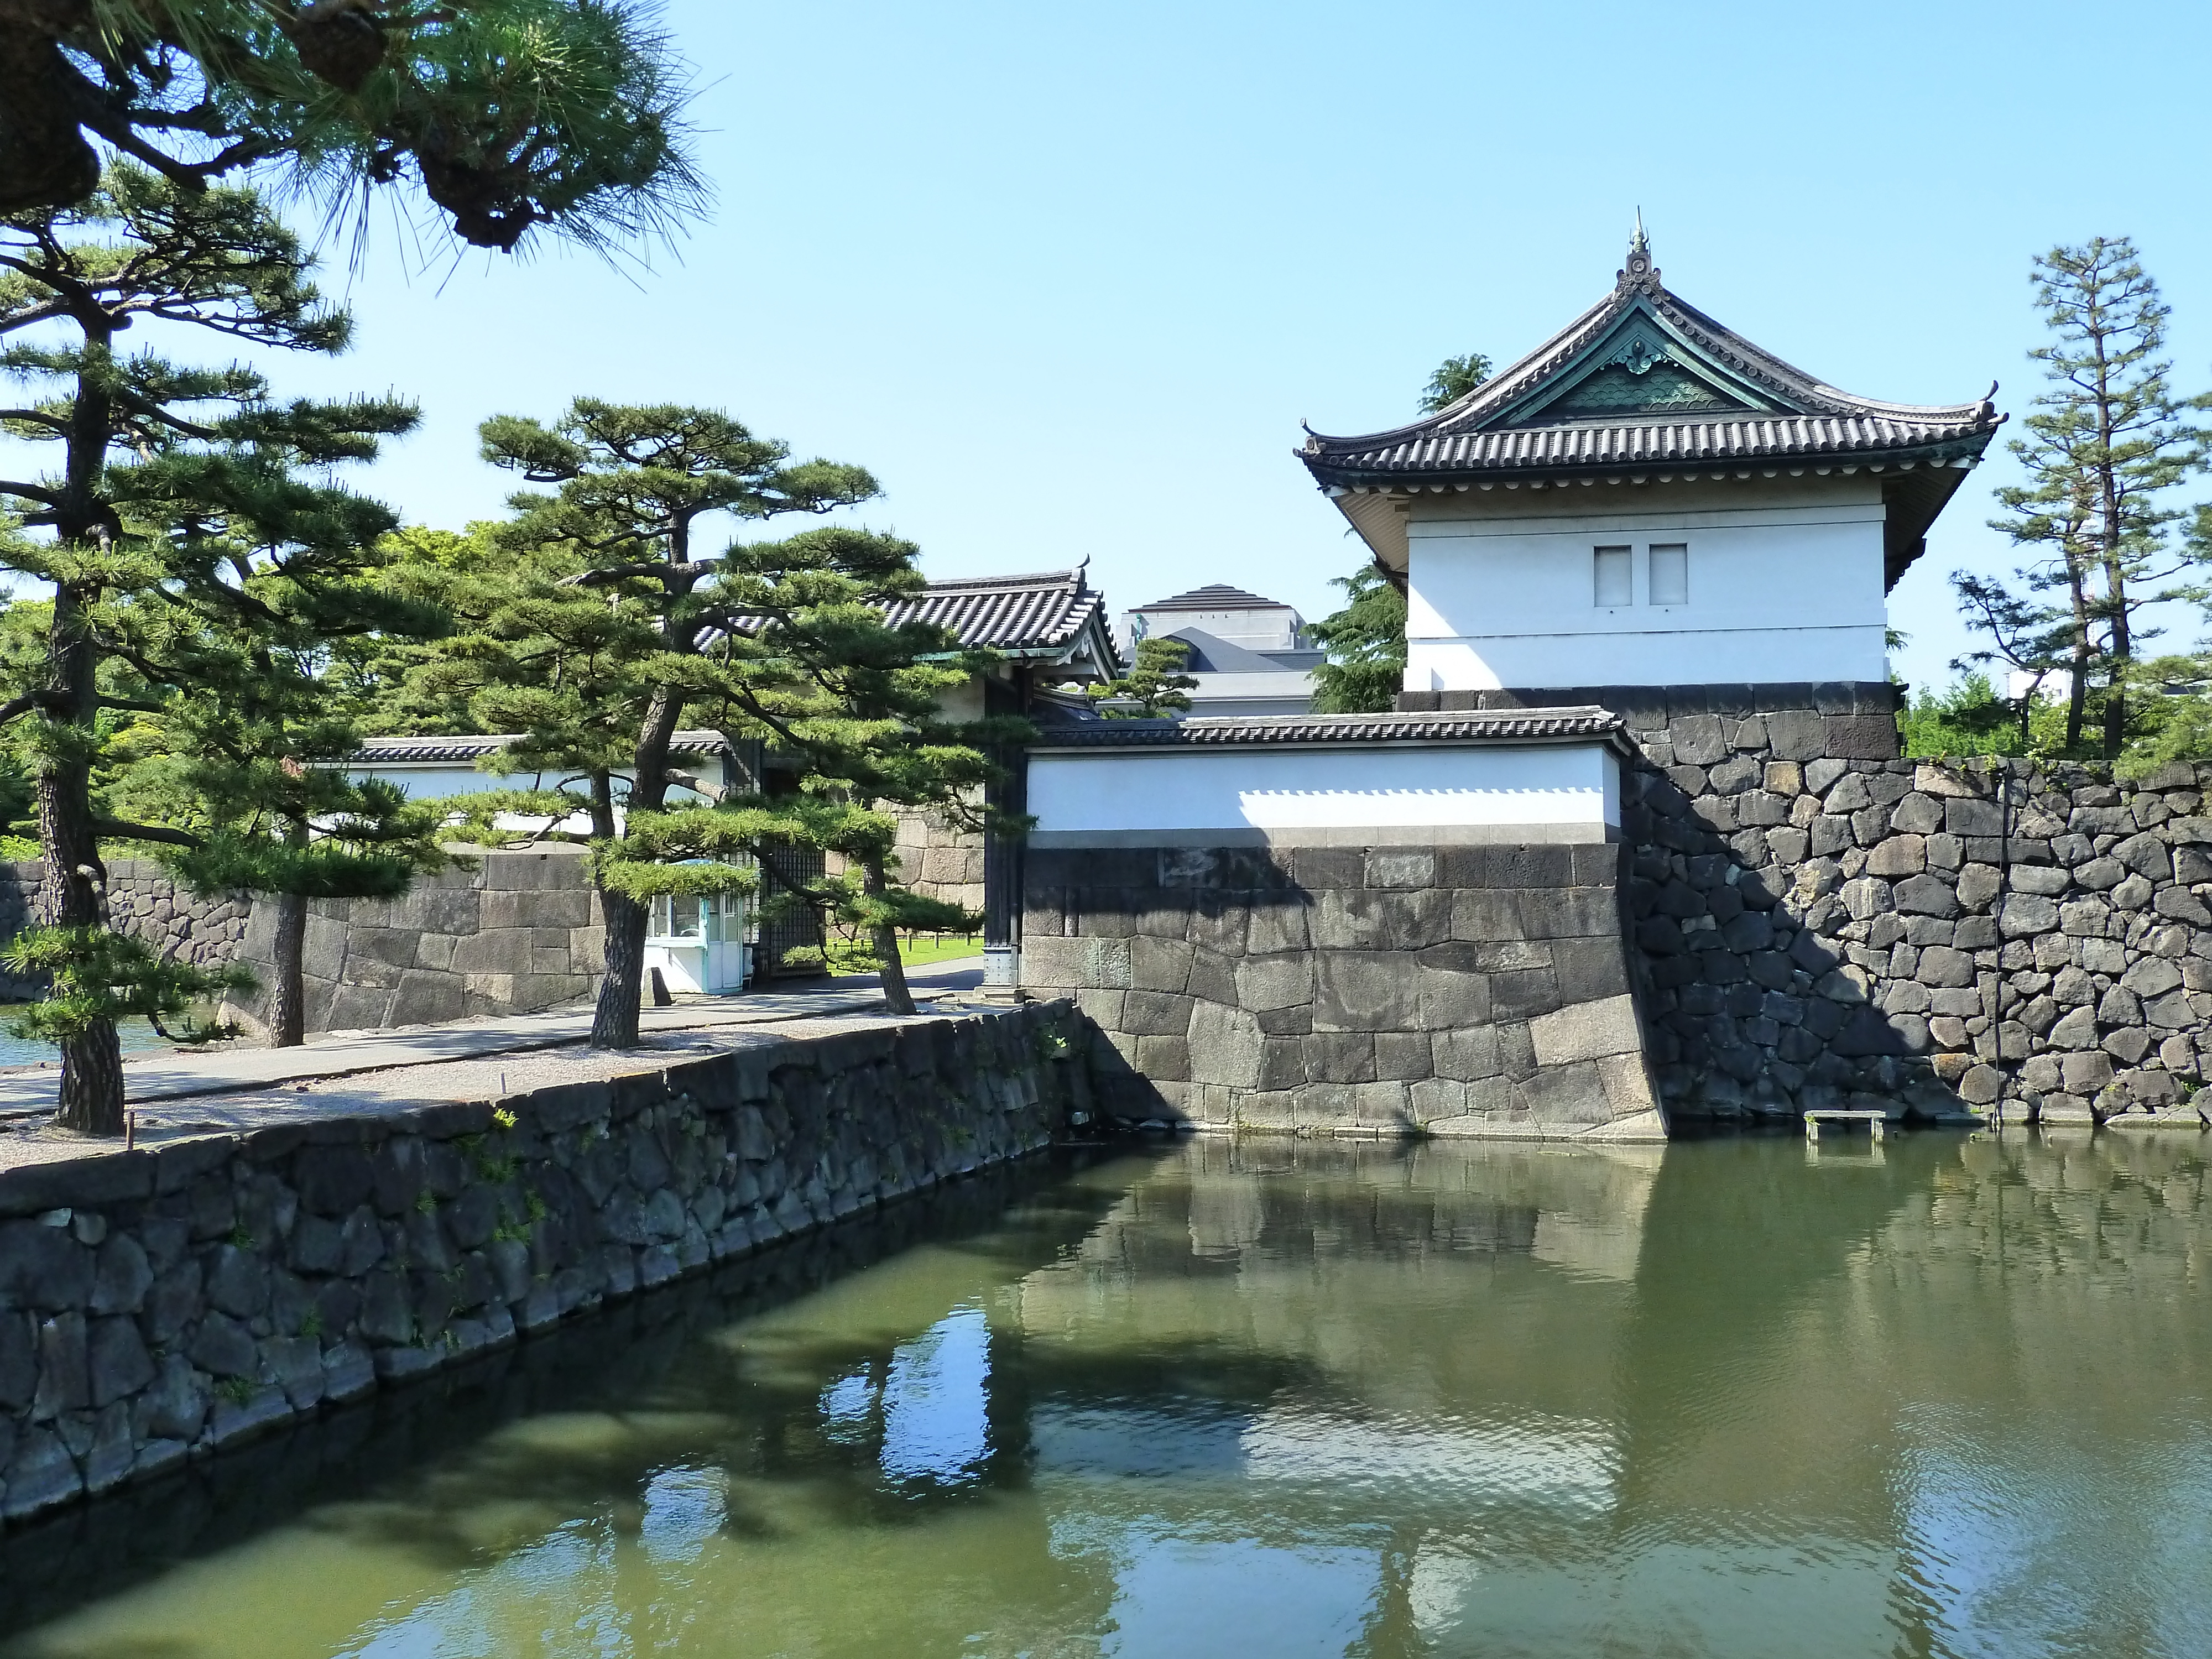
{"type": "Point", "coordinates": [2035, 639]}
{"type": "Point", "coordinates": [594, 644]}
{"type": "Point", "coordinates": [151, 455]}
{"type": "Point", "coordinates": [1155, 683]}
{"type": "Point", "coordinates": [507, 114]}
{"type": "Point", "coordinates": [2105, 441]}
{"type": "Point", "coordinates": [810, 664]}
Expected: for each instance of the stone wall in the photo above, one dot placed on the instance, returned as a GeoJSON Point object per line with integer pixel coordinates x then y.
{"type": "Point", "coordinates": [145, 902]}
{"type": "Point", "coordinates": [1460, 990]}
{"type": "Point", "coordinates": [1842, 931]}
{"type": "Point", "coordinates": [156, 1305]}
{"type": "Point", "coordinates": [519, 933]}
{"type": "Point", "coordinates": [940, 862]}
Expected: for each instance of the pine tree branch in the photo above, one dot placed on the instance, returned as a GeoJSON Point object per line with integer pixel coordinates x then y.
{"type": "Point", "coordinates": [32, 702]}
{"type": "Point", "coordinates": [698, 785]}
{"type": "Point", "coordinates": [691, 570]}
{"type": "Point", "coordinates": [29, 492]}
{"type": "Point", "coordinates": [145, 832]}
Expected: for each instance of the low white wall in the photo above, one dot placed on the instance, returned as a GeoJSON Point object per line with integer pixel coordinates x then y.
{"type": "Point", "coordinates": [1411, 792]}
{"type": "Point", "coordinates": [1785, 583]}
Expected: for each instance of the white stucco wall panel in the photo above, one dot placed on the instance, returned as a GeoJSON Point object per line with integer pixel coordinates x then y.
{"type": "Point", "coordinates": [1107, 798]}
{"type": "Point", "coordinates": [1785, 583]}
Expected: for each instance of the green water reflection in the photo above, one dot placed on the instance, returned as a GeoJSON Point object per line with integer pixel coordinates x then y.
{"type": "Point", "coordinates": [1734, 1397]}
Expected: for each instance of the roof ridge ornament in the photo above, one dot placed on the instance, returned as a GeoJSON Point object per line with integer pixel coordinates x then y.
{"type": "Point", "coordinates": [1639, 274]}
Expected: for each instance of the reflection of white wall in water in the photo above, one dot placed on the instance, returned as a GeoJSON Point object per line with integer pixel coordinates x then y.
{"type": "Point", "coordinates": [1183, 1595]}
{"type": "Point", "coordinates": [1100, 793]}
{"type": "Point", "coordinates": [1529, 1461]}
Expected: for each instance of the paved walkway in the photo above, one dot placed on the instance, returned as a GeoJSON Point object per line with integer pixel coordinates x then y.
{"type": "Point", "coordinates": [228, 1068]}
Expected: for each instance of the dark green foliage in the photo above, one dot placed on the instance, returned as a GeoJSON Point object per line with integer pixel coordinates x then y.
{"type": "Point", "coordinates": [100, 977]}
{"type": "Point", "coordinates": [1968, 717]}
{"type": "Point", "coordinates": [195, 564]}
{"type": "Point", "coordinates": [1154, 685]}
{"type": "Point", "coordinates": [508, 114]}
{"type": "Point", "coordinates": [600, 629]}
{"type": "Point", "coordinates": [1366, 646]}
{"type": "Point", "coordinates": [1454, 378]}
{"type": "Point", "coordinates": [818, 672]}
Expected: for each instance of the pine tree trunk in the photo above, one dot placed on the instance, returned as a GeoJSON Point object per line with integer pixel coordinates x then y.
{"type": "Point", "coordinates": [92, 1081]}
{"type": "Point", "coordinates": [75, 892]}
{"type": "Point", "coordinates": [614, 1020]}
{"type": "Point", "coordinates": [896, 997]}
{"type": "Point", "coordinates": [2077, 696]}
{"type": "Point", "coordinates": [287, 1004]}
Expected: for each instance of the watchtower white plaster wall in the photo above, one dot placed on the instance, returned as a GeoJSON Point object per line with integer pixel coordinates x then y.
{"type": "Point", "coordinates": [1785, 583]}
{"type": "Point", "coordinates": [1325, 795]}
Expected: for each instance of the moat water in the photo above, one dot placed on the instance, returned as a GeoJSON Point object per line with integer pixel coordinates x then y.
{"type": "Point", "coordinates": [1944, 1396]}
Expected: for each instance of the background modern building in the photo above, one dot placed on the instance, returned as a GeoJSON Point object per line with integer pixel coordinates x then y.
{"type": "Point", "coordinates": [1249, 655]}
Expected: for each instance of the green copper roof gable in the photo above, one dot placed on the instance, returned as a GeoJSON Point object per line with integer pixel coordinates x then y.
{"type": "Point", "coordinates": [1639, 366]}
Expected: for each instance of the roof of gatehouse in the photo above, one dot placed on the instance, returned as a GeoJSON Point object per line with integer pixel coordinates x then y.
{"type": "Point", "coordinates": [1052, 615]}
{"type": "Point", "coordinates": [1644, 387]}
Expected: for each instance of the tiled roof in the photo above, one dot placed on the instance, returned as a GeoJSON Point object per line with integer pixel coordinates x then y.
{"type": "Point", "coordinates": [1744, 404]}
{"type": "Point", "coordinates": [1216, 596]}
{"type": "Point", "coordinates": [1034, 613]}
{"type": "Point", "coordinates": [1649, 442]}
{"type": "Point", "coordinates": [1474, 725]}
{"type": "Point", "coordinates": [400, 751]}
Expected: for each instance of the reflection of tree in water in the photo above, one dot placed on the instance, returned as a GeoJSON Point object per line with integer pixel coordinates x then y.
{"type": "Point", "coordinates": [1407, 1389]}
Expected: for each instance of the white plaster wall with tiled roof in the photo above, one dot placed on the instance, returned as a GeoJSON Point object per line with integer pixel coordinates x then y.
{"type": "Point", "coordinates": [1784, 583]}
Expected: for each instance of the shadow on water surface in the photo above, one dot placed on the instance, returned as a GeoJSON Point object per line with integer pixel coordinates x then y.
{"type": "Point", "coordinates": [1948, 1395]}
{"type": "Point", "coordinates": [408, 1469]}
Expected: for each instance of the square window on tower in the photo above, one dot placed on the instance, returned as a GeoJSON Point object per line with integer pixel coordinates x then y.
{"type": "Point", "coordinates": [1670, 573]}
{"type": "Point", "coordinates": [1615, 577]}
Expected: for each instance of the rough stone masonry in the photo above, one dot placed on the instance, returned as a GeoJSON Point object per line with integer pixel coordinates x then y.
{"type": "Point", "coordinates": [158, 1305]}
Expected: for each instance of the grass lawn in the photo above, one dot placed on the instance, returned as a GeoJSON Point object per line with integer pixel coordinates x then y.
{"type": "Point", "coordinates": [915, 950]}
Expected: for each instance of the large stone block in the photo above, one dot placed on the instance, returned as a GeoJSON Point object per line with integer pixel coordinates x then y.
{"type": "Point", "coordinates": [1857, 737]}
{"type": "Point", "coordinates": [1339, 1056]}
{"type": "Point", "coordinates": [1155, 1013]}
{"type": "Point", "coordinates": [1363, 991]}
{"type": "Point", "coordinates": [1360, 920]}
{"type": "Point", "coordinates": [1586, 1032]}
{"type": "Point", "coordinates": [1224, 1046]}
{"type": "Point", "coordinates": [1276, 922]}
{"type": "Point", "coordinates": [1159, 964]}
{"type": "Point", "coordinates": [1285, 980]}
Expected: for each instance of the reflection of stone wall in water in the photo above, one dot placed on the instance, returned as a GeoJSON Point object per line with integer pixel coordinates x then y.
{"type": "Point", "coordinates": [156, 1304]}
{"type": "Point", "coordinates": [1454, 990]}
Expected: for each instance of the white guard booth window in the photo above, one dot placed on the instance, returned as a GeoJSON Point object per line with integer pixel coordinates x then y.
{"type": "Point", "coordinates": [1615, 576]}
{"type": "Point", "coordinates": [698, 944]}
{"type": "Point", "coordinates": [1670, 573]}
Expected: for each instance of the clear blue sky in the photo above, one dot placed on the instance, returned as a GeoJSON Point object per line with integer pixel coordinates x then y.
{"type": "Point", "coordinates": [1068, 278]}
